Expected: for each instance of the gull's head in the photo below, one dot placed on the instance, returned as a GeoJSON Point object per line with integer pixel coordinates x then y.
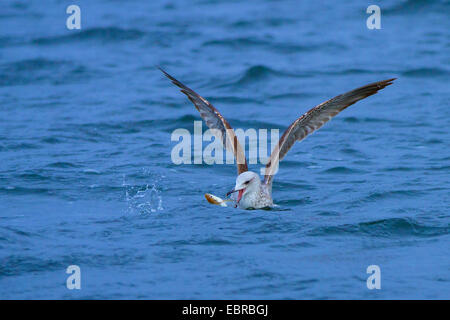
{"type": "Point", "coordinates": [246, 182]}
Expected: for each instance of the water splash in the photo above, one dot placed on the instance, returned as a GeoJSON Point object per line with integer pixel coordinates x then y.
{"type": "Point", "coordinates": [143, 199]}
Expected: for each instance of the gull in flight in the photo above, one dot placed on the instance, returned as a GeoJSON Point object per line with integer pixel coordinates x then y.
{"type": "Point", "coordinates": [254, 193]}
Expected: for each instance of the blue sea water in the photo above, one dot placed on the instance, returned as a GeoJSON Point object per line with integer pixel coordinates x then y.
{"type": "Point", "coordinates": [86, 176]}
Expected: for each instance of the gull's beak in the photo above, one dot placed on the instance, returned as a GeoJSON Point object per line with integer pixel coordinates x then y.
{"type": "Point", "coordinates": [236, 189]}
{"type": "Point", "coordinates": [241, 190]}
{"type": "Point", "coordinates": [232, 191]}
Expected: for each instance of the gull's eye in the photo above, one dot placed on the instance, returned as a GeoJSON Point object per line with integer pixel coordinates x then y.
{"type": "Point", "coordinates": [246, 182]}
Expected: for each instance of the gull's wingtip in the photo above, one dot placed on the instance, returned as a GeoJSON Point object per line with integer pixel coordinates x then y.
{"type": "Point", "coordinates": [175, 81]}
{"type": "Point", "coordinates": [382, 84]}
{"type": "Point", "coordinates": [388, 82]}
{"type": "Point", "coordinates": [161, 69]}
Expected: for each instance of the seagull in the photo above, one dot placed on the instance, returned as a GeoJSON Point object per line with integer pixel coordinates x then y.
{"type": "Point", "coordinates": [252, 192]}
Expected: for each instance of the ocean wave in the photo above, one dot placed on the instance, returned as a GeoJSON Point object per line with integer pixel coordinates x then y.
{"type": "Point", "coordinates": [12, 190]}
{"type": "Point", "coordinates": [208, 241]}
{"type": "Point", "coordinates": [273, 22]}
{"type": "Point", "coordinates": [19, 264]}
{"type": "Point", "coordinates": [104, 129]}
{"type": "Point", "coordinates": [31, 177]}
{"type": "Point", "coordinates": [51, 140]}
{"type": "Point", "coordinates": [236, 42]}
{"type": "Point", "coordinates": [353, 152]}
{"type": "Point", "coordinates": [352, 71]}
{"type": "Point", "coordinates": [368, 119]}
{"type": "Point", "coordinates": [439, 168]}
{"type": "Point", "coordinates": [399, 168]}
{"type": "Point", "coordinates": [417, 7]}
{"type": "Point", "coordinates": [414, 72]}
{"type": "Point", "coordinates": [341, 170]}
{"type": "Point", "coordinates": [31, 65]}
{"type": "Point", "coordinates": [8, 233]}
{"type": "Point", "coordinates": [375, 196]}
{"type": "Point", "coordinates": [40, 70]}
{"type": "Point", "coordinates": [62, 165]}
{"type": "Point", "coordinates": [19, 146]}
{"type": "Point", "coordinates": [426, 73]}
{"type": "Point", "coordinates": [287, 204]}
{"type": "Point", "coordinates": [243, 43]}
{"type": "Point", "coordinates": [104, 34]}
{"type": "Point", "coordinates": [290, 96]}
{"type": "Point", "coordinates": [6, 41]}
{"type": "Point", "coordinates": [16, 264]}
{"type": "Point", "coordinates": [256, 73]}
{"type": "Point", "coordinates": [400, 227]}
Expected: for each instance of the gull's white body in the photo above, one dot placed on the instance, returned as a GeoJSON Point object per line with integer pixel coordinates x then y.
{"type": "Point", "coordinates": [256, 194]}
{"type": "Point", "coordinates": [252, 192]}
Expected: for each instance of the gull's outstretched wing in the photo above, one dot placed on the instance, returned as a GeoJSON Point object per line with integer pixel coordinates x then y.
{"type": "Point", "coordinates": [214, 120]}
{"type": "Point", "coordinates": [316, 118]}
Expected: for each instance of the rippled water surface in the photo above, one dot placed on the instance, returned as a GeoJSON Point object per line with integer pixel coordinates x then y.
{"type": "Point", "coordinates": [86, 176]}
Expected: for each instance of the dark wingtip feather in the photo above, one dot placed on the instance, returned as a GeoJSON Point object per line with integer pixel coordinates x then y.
{"type": "Point", "coordinates": [162, 70]}
{"type": "Point", "coordinates": [186, 90]}
{"type": "Point", "coordinates": [167, 75]}
{"type": "Point", "coordinates": [384, 83]}
{"type": "Point", "coordinates": [366, 91]}
{"type": "Point", "coordinates": [387, 82]}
